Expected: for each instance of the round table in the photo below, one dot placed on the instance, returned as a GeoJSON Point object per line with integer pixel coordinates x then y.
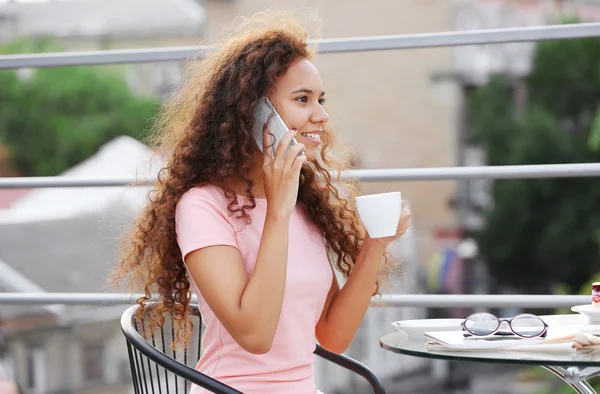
{"type": "Point", "coordinates": [573, 368]}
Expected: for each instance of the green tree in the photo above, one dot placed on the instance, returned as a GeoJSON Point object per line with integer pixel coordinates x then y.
{"type": "Point", "coordinates": [53, 118]}
{"type": "Point", "coordinates": [541, 232]}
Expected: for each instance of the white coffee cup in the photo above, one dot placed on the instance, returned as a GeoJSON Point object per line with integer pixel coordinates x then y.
{"type": "Point", "coordinates": [380, 213]}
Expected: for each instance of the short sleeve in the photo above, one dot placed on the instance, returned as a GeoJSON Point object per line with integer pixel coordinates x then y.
{"type": "Point", "coordinates": [200, 221]}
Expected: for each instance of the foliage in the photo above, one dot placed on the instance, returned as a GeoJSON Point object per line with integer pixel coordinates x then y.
{"type": "Point", "coordinates": [541, 232]}
{"type": "Point", "coordinates": [53, 118]}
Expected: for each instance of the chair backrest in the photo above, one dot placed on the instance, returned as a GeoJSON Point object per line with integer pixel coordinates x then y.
{"type": "Point", "coordinates": [156, 367]}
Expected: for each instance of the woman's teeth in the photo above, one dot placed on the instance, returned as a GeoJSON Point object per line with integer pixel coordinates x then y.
{"type": "Point", "coordinates": [312, 136]}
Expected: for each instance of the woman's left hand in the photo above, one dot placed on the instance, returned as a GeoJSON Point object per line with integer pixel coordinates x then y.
{"type": "Point", "coordinates": [402, 228]}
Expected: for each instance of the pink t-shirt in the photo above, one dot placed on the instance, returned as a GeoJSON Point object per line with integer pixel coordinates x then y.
{"type": "Point", "coordinates": [8, 387]}
{"type": "Point", "coordinates": [202, 219]}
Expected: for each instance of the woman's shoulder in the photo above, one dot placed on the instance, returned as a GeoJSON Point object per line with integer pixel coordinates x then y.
{"type": "Point", "coordinates": [206, 191]}
{"type": "Point", "coordinates": [211, 198]}
{"type": "Point", "coordinates": [207, 194]}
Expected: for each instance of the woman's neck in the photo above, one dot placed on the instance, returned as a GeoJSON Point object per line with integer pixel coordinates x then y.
{"type": "Point", "coordinates": [239, 185]}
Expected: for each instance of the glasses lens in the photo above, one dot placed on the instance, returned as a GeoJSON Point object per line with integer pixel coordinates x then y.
{"type": "Point", "coordinates": [481, 324]}
{"type": "Point", "coordinates": [528, 326]}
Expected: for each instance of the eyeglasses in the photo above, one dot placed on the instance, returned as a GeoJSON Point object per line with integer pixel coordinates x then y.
{"type": "Point", "coordinates": [524, 325]}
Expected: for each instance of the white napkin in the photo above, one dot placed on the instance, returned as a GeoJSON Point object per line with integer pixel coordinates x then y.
{"type": "Point", "coordinates": [564, 342]}
{"type": "Point", "coordinates": [585, 341]}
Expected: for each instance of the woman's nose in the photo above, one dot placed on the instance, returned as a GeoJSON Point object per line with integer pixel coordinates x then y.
{"type": "Point", "coordinates": [320, 115]}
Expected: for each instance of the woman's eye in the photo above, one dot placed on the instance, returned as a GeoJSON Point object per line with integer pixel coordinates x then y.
{"type": "Point", "coordinates": [302, 99]}
{"type": "Point", "coordinates": [322, 101]}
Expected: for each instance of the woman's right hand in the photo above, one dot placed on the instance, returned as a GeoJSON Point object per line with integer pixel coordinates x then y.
{"type": "Point", "coordinates": [282, 174]}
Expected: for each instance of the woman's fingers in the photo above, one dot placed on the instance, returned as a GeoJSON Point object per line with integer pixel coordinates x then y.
{"type": "Point", "coordinates": [286, 140]}
{"type": "Point", "coordinates": [293, 154]}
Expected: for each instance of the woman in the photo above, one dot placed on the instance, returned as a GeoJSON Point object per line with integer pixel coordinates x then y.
{"type": "Point", "coordinates": [255, 234]}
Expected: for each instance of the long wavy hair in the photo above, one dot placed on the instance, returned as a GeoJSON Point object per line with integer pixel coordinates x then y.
{"type": "Point", "coordinates": [205, 134]}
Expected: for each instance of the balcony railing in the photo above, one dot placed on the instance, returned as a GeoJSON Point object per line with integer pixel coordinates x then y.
{"type": "Point", "coordinates": [376, 175]}
{"type": "Point", "coordinates": [331, 45]}
{"type": "Point", "coordinates": [388, 300]}
{"type": "Point", "coordinates": [474, 37]}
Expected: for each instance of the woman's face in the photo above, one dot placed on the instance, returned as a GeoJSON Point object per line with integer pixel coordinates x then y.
{"type": "Point", "coordinates": [298, 97]}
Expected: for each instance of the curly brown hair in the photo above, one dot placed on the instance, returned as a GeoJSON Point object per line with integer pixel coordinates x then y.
{"type": "Point", "coordinates": [205, 133]}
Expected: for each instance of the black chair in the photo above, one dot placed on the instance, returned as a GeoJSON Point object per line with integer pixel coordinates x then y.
{"type": "Point", "coordinates": [157, 368]}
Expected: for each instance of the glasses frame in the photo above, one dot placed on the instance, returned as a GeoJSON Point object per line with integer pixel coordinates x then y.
{"type": "Point", "coordinates": [507, 320]}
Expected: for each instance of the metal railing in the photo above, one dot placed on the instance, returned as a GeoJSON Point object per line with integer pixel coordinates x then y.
{"type": "Point", "coordinates": [329, 45]}
{"type": "Point", "coordinates": [358, 44]}
{"type": "Point", "coordinates": [376, 175]}
{"type": "Point", "coordinates": [394, 300]}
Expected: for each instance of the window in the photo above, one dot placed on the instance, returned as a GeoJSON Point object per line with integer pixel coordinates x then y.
{"type": "Point", "coordinates": [93, 357]}
{"type": "Point", "coordinates": [36, 369]}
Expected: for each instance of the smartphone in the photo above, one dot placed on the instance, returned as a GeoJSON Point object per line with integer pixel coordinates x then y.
{"type": "Point", "coordinates": [266, 112]}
